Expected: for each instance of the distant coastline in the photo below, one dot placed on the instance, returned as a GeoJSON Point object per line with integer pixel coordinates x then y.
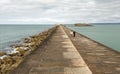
{"type": "Point", "coordinates": [82, 24]}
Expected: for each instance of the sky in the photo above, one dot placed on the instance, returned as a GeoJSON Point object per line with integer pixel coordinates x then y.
{"type": "Point", "coordinates": [59, 11]}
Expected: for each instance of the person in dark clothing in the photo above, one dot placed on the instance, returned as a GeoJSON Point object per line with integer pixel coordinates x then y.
{"type": "Point", "coordinates": [73, 33]}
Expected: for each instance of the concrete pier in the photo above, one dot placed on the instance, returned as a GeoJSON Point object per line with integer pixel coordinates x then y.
{"type": "Point", "coordinates": [57, 56]}
{"type": "Point", "coordinates": [65, 54]}
{"type": "Point", "coordinates": [100, 58]}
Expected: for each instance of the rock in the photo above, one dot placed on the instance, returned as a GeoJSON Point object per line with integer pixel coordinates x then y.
{"type": "Point", "coordinates": [15, 54]}
{"type": "Point", "coordinates": [22, 51]}
{"type": "Point", "coordinates": [2, 53]}
{"type": "Point", "coordinates": [8, 60]}
{"type": "Point", "coordinates": [27, 40]}
{"type": "Point", "coordinates": [2, 57]}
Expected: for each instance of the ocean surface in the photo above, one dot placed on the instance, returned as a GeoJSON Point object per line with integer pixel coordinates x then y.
{"type": "Point", "coordinates": [105, 33]}
{"type": "Point", "coordinates": [12, 33]}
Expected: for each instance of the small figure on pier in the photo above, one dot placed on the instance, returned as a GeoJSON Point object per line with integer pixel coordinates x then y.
{"type": "Point", "coordinates": [73, 33]}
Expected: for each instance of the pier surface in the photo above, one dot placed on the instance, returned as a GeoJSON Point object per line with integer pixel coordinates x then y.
{"type": "Point", "coordinates": [65, 54]}
{"type": "Point", "coordinates": [99, 58]}
{"type": "Point", "coordinates": [57, 56]}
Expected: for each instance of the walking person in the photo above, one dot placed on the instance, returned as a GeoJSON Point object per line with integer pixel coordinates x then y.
{"type": "Point", "coordinates": [73, 33]}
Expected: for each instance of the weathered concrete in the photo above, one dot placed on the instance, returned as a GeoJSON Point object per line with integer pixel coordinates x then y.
{"type": "Point", "coordinates": [99, 58]}
{"type": "Point", "coordinates": [58, 56]}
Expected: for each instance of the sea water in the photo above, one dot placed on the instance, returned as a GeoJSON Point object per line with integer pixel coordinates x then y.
{"type": "Point", "coordinates": [105, 33]}
{"type": "Point", "coordinates": [12, 33]}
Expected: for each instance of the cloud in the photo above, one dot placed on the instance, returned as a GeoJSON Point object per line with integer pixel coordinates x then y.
{"type": "Point", "coordinates": [43, 1]}
{"type": "Point", "coordinates": [53, 11]}
{"type": "Point", "coordinates": [4, 2]}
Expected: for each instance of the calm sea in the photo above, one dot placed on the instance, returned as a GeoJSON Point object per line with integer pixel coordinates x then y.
{"type": "Point", "coordinates": [12, 33]}
{"type": "Point", "coordinates": [105, 33]}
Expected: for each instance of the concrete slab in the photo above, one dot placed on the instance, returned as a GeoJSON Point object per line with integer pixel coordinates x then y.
{"type": "Point", "coordinates": [80, 70]}
{"type": "Point", "coordinates": [78, 62]}
{"type": "Point", "coordinates": [118, 69]}
{"type": "Point", "coordinates": [71, 55]}
{"type": "Point", "coordinates": [70, 49]}
{"type": "Point", "coordinates": [64, 36]}
{"type": "Point", "coordinates": [99, 54]}
{"type": "Point", "coordinates": [110, 62]}
{"type": "Point", "coordinates": [46, 70]}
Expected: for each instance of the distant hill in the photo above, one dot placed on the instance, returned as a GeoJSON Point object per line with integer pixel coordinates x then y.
{"type": "Point", "coordinates": [82, 24]}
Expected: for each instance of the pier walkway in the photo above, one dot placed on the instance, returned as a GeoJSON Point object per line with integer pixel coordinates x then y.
{"type": "Point", "coordinates": [57, 56]}
{"type": "Point", "coordinates": [99, 58]}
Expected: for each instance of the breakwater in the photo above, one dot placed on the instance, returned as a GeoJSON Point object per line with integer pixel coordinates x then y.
{"type": "Point", "coordinates": [99, 58]}
{"type": "Point", "coordinates": [56, 56]}
{"type": "Point", "coordinates": [9, 60]}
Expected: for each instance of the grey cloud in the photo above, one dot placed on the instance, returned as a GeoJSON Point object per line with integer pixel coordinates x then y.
{"type": "Point", "coordinates": [65, 11]}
